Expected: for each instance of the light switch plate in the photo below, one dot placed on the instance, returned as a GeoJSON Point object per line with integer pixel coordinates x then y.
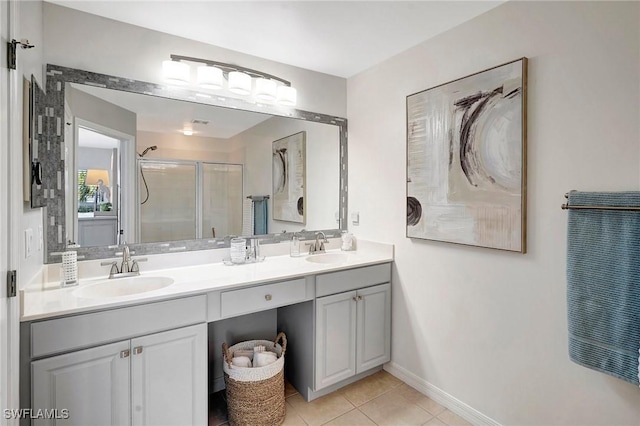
{"type": "Point", "coordinates": [355, 218]}
{"type": "Point", "coordinates": [28, 242]}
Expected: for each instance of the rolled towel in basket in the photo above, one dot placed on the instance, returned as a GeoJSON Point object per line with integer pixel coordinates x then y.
{"type": "Point", "coordinates": [243, 352]}
{"type": "Point", "coordinates": [241, 361]}
{"type": "Point", "coordinates": [260, 359]}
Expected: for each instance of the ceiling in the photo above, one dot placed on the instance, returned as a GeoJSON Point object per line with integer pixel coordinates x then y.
{"type": "Point", "coordinates": [162, 115]}
{"type": "Point", "coordinates": [340, 38]}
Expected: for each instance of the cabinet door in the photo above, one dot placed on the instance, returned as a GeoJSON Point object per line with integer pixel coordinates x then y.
{"type": "Point", "coordinates": [169, 377]}
{"type": "Point", "coordinates": [374, 327]}
{"type": "Point", "coordinates": [335, 338]}
{"type": "Point", "coordinates": [92, 384]}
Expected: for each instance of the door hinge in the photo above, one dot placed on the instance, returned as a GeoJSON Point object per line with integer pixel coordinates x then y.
{"type": "Point", "coordinates": [11, 55]}
{"type": "Point", "coordinates": [12, 285]}
{"type": "Point", "coordinates": [12, 47]}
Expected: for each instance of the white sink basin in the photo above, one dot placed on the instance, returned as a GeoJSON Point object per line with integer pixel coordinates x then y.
{"type": "Point", "coordinates": [120, 287]}
{"type": "Point", "coordinates": [328, 258]}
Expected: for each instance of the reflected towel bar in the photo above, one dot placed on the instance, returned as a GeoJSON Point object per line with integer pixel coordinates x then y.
{"type": "Point", "coordinates": [619, 208]}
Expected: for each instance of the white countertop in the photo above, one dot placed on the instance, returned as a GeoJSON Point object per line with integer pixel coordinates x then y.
{"type": "Point", "coordinates": [44, 298]}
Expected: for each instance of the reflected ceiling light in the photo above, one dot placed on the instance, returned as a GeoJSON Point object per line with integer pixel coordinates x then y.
{"type": "Point", "coordinates": [176, 72]}
{"type": "Point", "coordinates": [239, 83]}
{"type": "Point", "coordinates": [187, 132]}
{"type": "Point", "coordinates": [211, 75]}
{"type": "Point", "coordinates": [266, 89]}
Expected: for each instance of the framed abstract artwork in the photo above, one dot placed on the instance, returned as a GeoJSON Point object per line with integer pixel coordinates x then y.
{"type": "Point", "coordinates": [466, 160]}
{"type": "Point", "coordinates": [289, 176]}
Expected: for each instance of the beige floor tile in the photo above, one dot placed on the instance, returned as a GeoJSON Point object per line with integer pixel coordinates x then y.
{"type": "Point", "coordinates": [292, 418]}
{"type": "Point", "coordinates": [352, 418]}
{"type": "Point", "coordinates": [452, 419]}
{"type": "Point", "coordinates": [434, 422]}
{"type": "Point", "coordinates": [393, 409]}
{"type": "Point", "coordinates": [370, 387]}
{"type": "Point", "coordinates": [289, 389]}
{"type": "Point", "coordinates": [421, 400]}
{"type": "Point", "coordinates": [321, 410]}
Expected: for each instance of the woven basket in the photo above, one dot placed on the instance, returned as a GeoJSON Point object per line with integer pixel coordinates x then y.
{"type": "Point", "coordinates": [255, 396]}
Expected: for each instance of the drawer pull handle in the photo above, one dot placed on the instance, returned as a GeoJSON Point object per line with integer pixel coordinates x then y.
{"type": "Point", "coordinates": [137, 350]}
{"type": "Point", "coordinates": [357, 298]}
{"type": "Point", "coordinates": [124, 354]}
{"type": "Point", "coordinates": [267, 297]}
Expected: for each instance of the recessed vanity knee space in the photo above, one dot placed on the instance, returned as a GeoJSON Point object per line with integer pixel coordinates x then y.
{"type": "Point", "coordinates": [154, 358]}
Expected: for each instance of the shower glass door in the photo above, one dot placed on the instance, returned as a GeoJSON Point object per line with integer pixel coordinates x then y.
{"type": "Point", "coordinates": [221, 199]}
{"type": "Point", "coordinates": [183, 200]}
{"type": "Point", "coordinates": [167, 196]}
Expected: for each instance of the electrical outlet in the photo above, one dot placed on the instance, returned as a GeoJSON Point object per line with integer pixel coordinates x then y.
{"type": "Point", "coordinates": [28, 242]}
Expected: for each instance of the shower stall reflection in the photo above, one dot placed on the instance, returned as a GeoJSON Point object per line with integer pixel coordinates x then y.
{"type": "Point", "coordinates": [181, 200]}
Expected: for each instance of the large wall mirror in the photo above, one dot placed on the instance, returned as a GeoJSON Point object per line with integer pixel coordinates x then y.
{"type": "Point", "coordinates": [164, 169]}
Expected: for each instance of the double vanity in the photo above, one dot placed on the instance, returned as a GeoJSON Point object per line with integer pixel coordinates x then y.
{"type": "Point", "coordinates": [147, 350]}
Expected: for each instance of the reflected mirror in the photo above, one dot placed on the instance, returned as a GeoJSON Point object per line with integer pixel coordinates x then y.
{"type": "Point", "coordinates": [148, 170]}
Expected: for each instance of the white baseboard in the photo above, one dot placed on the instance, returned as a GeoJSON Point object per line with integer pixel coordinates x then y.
{"type": "Point", "coordinates": [460, 408]}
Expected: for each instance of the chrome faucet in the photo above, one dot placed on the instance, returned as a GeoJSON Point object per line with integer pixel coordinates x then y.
{"type": "Point", "coordinates": [318, 246]}
{"type": "Point", "coordinates": [126, 258]}
{"type": "Point", "coordinates": [128, 268]}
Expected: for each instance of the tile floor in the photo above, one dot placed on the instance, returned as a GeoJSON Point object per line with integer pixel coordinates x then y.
{"type": "Point", "coordinates": [380, 399]}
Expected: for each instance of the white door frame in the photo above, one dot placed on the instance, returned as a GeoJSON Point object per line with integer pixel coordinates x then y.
{"type": "Point", "coordinates": [10, 214]}
{"type": "Point", "coordinates": [4, 209]}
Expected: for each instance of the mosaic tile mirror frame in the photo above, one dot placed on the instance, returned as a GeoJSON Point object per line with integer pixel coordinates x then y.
{"type": "Point", "coordinates": [51, 151]}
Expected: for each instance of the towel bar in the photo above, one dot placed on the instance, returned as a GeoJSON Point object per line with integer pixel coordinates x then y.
{"type": "Point", "coordinates": [620, 208]}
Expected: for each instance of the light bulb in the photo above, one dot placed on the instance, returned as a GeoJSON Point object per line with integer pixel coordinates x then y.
{"type": "Point", "coordinates": [239, 83]}
{"type": "Point", "coordinates": [210, 77]}
{"type": "Point", "coordinates": [266, 89]}
{"type": "Point", "coordinates": [176, 72]}
{"type": "Point", "coordinates": [287, 95]}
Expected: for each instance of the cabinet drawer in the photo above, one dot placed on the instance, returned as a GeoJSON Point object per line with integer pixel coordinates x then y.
{"type": "Point", "coordinates": [82, 331]}
{"type": "Point", "coordinates": [262, 297]}
{"type": "Point", "coordinates": [337, 282]}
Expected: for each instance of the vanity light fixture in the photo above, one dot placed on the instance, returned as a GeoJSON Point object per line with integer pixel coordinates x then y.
{"type": "Point", "coordinates": [240, 80]}
{"type": "Point", "coordinates": [176, 72]}
{"type": "Point", "coordinates": [239, 83]}
{"type": "Point", "coordinates": [210, 77]}
{"type": "Point", "coordinates": [287, 96]}
{"type": "Point", "coordinates": [266, 89]}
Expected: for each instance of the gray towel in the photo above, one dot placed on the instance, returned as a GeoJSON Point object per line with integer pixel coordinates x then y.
{"type": "Point", "coordinates": [603, 283]}
{"type": "Point", "coordinates": [259, 215]}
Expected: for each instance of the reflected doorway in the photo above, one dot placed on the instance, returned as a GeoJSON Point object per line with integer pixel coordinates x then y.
{"type": "Point", "coordinates": [94, 174]}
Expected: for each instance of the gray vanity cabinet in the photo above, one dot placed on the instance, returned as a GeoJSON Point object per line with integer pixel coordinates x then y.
{"type": "Point", "coordinates": [137, 365]}
{"type": "Point", "coordinates": [352, 327]}
{"type": "Point", "coordinates": [150, 380]}
{"type": "Point", "coordinates": [92, 385]}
